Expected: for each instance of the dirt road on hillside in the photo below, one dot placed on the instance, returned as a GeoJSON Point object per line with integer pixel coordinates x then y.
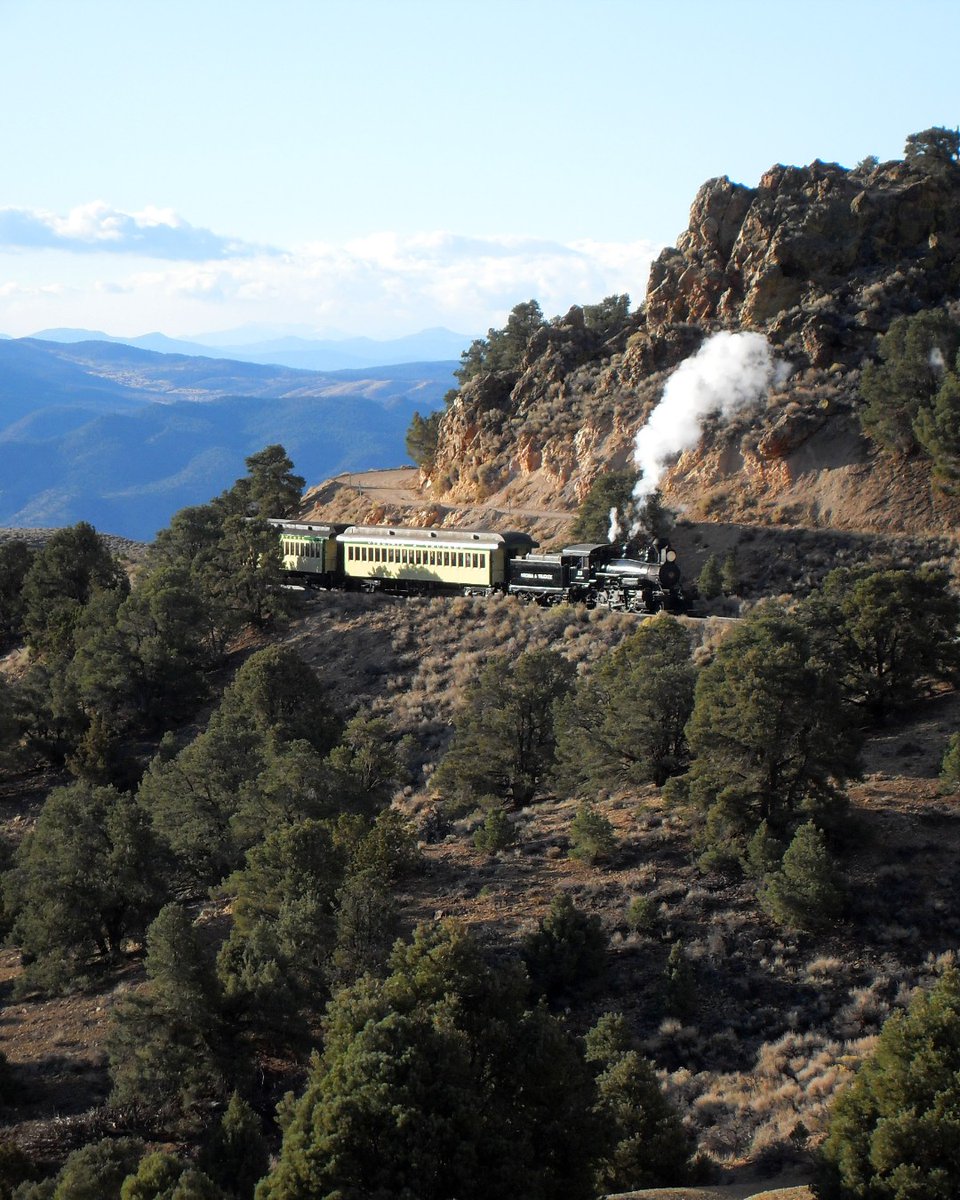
{"type": "Point", "coordinates": [398, 485]}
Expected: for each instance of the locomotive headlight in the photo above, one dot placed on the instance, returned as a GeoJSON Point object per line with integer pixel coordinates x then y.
{"type": "Point", "coordinates": [671, 556]}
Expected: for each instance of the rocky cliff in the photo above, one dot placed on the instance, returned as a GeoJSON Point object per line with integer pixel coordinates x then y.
{"type": "Point", "coordinates": [820, 260]}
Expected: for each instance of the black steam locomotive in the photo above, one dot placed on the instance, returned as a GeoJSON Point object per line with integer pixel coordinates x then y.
{"type": "Point", "coordinates": [632, 577]}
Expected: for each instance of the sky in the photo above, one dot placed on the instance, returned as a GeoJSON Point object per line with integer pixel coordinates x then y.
{"type": "Point", "coordinates": [379, 167]}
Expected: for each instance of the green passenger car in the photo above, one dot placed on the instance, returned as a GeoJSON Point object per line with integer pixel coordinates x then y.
{"type": "Point", "coordinates": [310, 552]}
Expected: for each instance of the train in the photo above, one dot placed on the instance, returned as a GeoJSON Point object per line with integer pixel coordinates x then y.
{"type": "Point", "coordinates": [635, 576]}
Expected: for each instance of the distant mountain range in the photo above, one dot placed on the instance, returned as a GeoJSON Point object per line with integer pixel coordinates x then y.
{"type": "Point", "coordinates": [123, 436]}
{"type": "Point", "coordinates": [302, 353]}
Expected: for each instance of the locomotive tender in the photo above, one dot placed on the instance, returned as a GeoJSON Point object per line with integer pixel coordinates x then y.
{"type": "Point", "coordinates": [399, 559]}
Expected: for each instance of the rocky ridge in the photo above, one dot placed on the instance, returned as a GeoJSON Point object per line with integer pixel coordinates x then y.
{"type": "Point", "coordinates": [820, 260]}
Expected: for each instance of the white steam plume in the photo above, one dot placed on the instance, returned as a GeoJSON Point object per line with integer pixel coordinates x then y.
{"type": "Point", "coordinates": [613, 529]}
{"type": "Point", "coordinates": [729, 372]}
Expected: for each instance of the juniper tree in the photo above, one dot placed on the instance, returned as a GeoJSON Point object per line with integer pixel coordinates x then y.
{"type": "Point", "coordinates": [63, 577]}
{"type": "Point", "coordinates": [897, 629]}
{"type": "Point", "coordinates": [503, 743]}
{"type": "Point", "coordinates": [567, 952]}
{"type": "Point", "coordinates": [624, 723]}
{"type": "Point", "coordinates": [169, 1048]}
{"type": "Point", "coordinates": [914, 353]}
{"type": "Point", "coordinates": [84, 881]}
{"type": "Point", "coordinates": [592, 836]}
{"type": "Point", "coordinates": [461, 1089]}
{"type": "Point", "coordinates": [804, 891]}
{"type": "Point", "coordinates": [771, 735]}
{"type": "Point", "coordinates": [610, 490]}
{"type": "Point", "coordinates": [649, 1146]}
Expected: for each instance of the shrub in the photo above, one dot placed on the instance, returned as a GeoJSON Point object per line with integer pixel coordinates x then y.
{"type": "Point", "coordinates": [592, 836]}
{"type": "Point", "coordinates": [568, 951]}
{"type": "Point", "coordinates": [804, 892]}
{"type": "Point", "coordinates": [642, 914]}
{"type": "Point", "coordinates": [496, 833]}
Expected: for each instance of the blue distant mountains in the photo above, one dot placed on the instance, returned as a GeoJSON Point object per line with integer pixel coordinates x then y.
{"type": "Point", "coordinates": [303, 353]}
{"type": "Point", "coordinates": [122, 436]}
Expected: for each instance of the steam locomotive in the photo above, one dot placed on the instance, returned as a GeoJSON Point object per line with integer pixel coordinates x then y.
{"type": "Point", "coordinates": [632, 577]}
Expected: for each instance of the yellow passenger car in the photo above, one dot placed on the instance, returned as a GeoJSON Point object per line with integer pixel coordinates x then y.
{"type": "Point", "coordinates": [396, 558]}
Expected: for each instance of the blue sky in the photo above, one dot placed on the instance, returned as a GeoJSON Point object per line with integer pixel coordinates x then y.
{"type": "Point", "coordinates": [380, 166]}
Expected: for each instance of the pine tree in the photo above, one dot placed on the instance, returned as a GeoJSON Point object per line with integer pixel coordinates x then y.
{"type": "Point", "coordinates": [568, 950]}
{"type": "Point", "coordinates": [169, 1049]}
{"type": "Point", "coordinates": [236, 1156]}
{"type": "Point", "coordinates": [771, 733]}
{"type": "Point", "coordinates": [592, 837]}
{"type": "Point", "coordinates": [462, 1091]}
{"type": "Point", "coordinates": [504, 732]}
{"type": "Point", "coordinates": [895, 1130]}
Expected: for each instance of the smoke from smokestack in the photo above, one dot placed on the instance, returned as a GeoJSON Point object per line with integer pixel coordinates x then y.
{"type": "Point", "coordinates": [729, 372]}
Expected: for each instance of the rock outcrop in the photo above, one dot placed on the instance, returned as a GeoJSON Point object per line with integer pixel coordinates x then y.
{"type": "Point", "coordinates": [819, 259]}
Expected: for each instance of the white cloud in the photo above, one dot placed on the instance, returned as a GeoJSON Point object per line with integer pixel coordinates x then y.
{"type": "Point", "coordinates": [97, 228]}
{"type": "Point", "coordinates": [384, 284]}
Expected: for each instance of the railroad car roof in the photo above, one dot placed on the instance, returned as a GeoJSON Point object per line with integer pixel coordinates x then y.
{"type": "Point", "coordinates": [477, 538]}
{"type": "Point", "coordinates": [305, 528]}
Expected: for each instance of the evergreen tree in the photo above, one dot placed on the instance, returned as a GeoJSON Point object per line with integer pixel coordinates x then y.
{"type": "Point", "coordinates": [730, 575]}
{"type": "Point", "coordinates": [609, 502]}
{"type": "Point", "coordinates": [462, 1092]}
{"type": "Point", "coordinates": [950, 768]}
{"type": "Point", "coordinates": [897, 629]}
{"type": "Point", "coordinates": [771, 734]}
{"type": "Point", "coordinates": [592, 837]}
{"type": "Point", "coordinates": [624, 724]}
{"type": "Point", "coordinates": [73, 565]}
{"type": "Point", "coordinates": [162, 1176]}
{"type": "Point", "coordinates": [496, 833]}
{"type": "Point", "coordinates": [367, 765]}
{"type": "Point", "coordinates": [16, 558]}
{"type": "Point", "coordinates": [648, 1145]}
{"type": "Point", "coordinates": [276, 692]}
{"type": "Point", "coordinates": [421, 439]}
{"type": "Point", "coordinates": [914, 353]}
{"type": "Point", "coordinates": [568, 950]}
{"type": "Point", "coordinates": [97, 1171]}
{"type": "Point", "coordinates": [895, 1130]}
{"type": "Point", "coordinates": [937, 430]}
{"type": "Point", "coordinates": [367, 923]}
{"type": "Point", "coordinates": [271, 489]}
{"type": "Point", "coordinates": [503, 743]}
{"type": "Point", "coordinates": [194, 799]}
{"type": "Point", "coordinates": [804, 891]}
{"type": "Point", "coordinates": [679, 983]}
{"type": "Point", "coordinates": [84, 881]}
{"type": "Point", "coordinates": [936, 146]}
{"type": "Point", "coordinates": [289, 884]}
{"type": "Point", "coordinates": [609, 317]}
{"type": "Point", "coordinates": [710, 579]}
{"type": "Point", "coordinates": [236, 1156]}
{"type": "Point", "coordinates": [168, 1047]}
